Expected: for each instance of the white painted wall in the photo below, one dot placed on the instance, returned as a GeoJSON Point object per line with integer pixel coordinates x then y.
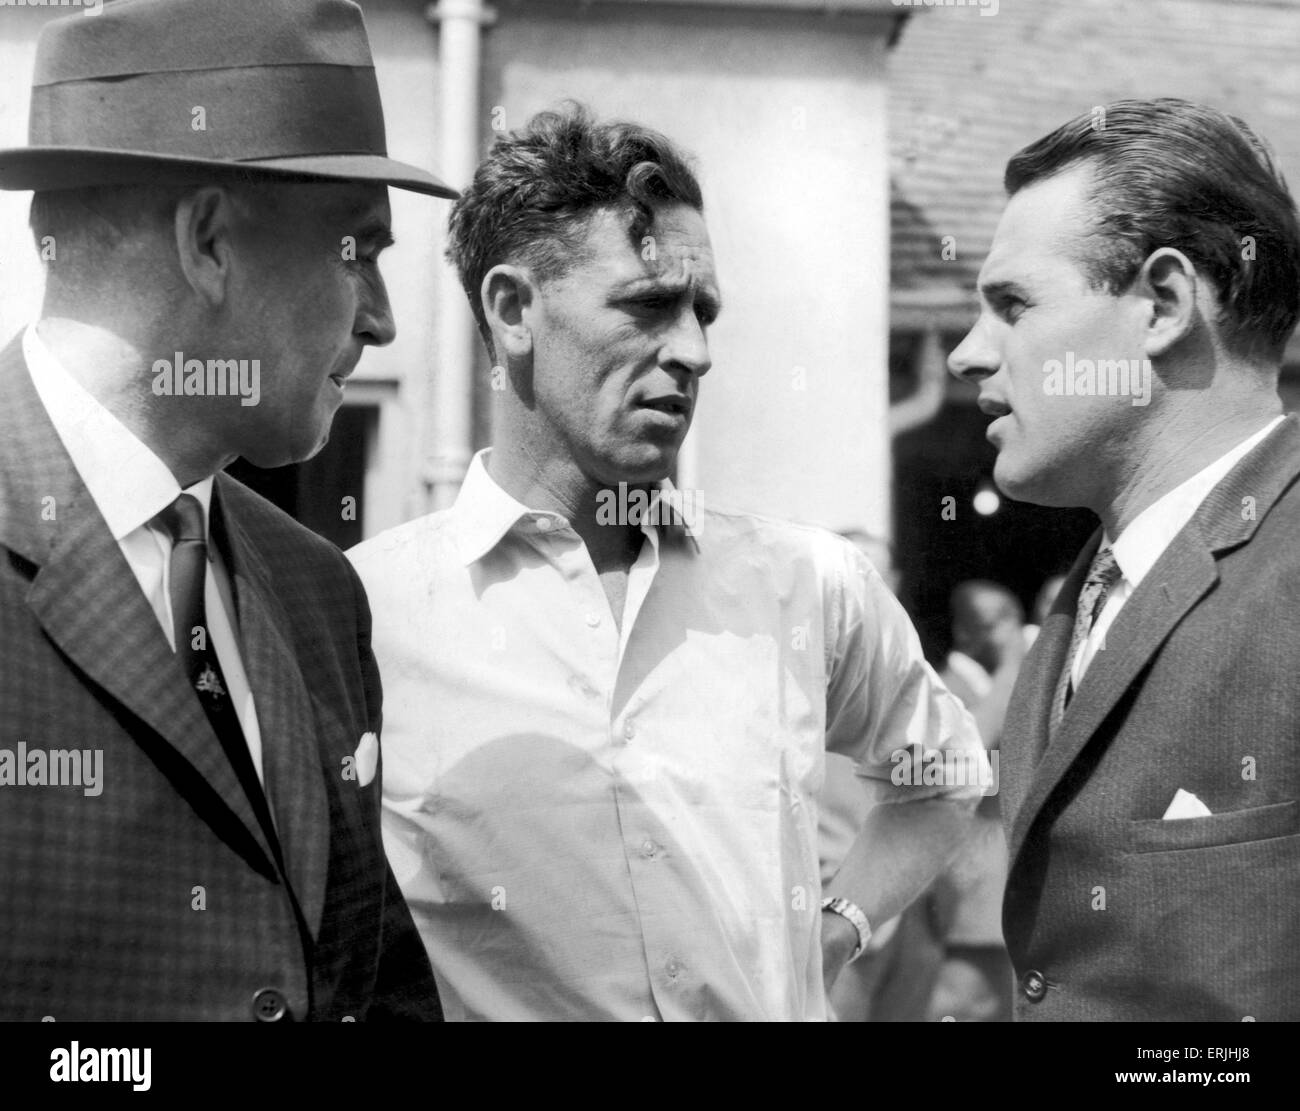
{"type": "Point", "coordinates": [786, 114]}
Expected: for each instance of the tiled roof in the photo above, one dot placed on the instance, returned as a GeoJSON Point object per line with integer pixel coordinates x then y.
{"type": "Point", "coordinates": [969, 90]}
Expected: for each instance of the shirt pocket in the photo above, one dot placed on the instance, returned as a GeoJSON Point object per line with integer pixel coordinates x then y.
{"type": "Point", "coordinates": [1258, 823]}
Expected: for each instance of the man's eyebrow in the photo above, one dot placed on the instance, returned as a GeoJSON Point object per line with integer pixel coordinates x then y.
{"type": "Point", "coordinates": [1002, 289]}
{"type": "Point", "coordinates": [639, 286]}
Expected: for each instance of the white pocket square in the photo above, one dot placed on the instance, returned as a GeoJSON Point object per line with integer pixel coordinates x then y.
{"type": "Point", "coordinates": [1186, 805]}
{"type": "Point", "coordinates": [366, 758]}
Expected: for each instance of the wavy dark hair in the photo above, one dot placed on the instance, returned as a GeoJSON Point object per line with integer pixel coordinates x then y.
{"type": "Point", "coordinates": [1170, 173]}
{"type": "Point", "coordinates": [536, 190]}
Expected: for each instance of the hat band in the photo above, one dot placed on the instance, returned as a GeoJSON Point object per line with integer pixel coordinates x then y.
{"type": "Point", "coordinates": [236, 115]}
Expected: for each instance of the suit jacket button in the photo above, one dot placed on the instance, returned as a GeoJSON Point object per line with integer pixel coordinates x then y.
{"type": "Point", "coordinates": [1033, 985]}
{"type": "Point", "coordinates": [270, 1005]}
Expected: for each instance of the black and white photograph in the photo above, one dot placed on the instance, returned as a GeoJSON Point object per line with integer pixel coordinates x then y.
{"type": "Point", "coordinates": [649, 511]}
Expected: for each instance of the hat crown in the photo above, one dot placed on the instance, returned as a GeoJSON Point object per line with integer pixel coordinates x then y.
{"type": "Point", "coordinates": [182, 90]}
{"type": "Point", "coordinates": [174, 36]}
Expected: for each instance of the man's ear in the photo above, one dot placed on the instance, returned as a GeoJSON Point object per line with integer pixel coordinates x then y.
{"type": "Point", "coordinates": [1168, 281]}
{"type": "Point", "coordinates": [508, 295]}
{"type": "Point", "coordinates": [203, 241]}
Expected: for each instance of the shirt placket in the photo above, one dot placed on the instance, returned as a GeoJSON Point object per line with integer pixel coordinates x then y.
{"type": "Point", "coordinates": [649, 865]}
{"type": "Point", "coordinates": [648, 852]}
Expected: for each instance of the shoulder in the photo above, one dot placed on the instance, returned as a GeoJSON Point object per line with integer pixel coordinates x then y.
{"type": "Point", "coordinates": [804, 566]}
{"type": "Point", "coordinates": [279, 539]}
{"type": "Point", "coordinates": [804, 545]}
{"type": "Point", "coordinates": [424, 542]}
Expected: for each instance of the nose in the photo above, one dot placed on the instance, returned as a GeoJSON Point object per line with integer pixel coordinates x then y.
{"type": "Point", "coordinates": [977, 356]}
{"type": "Point", "coordinates": [375, 325]}
{"type": "Point", "coordinates": [686, 347]}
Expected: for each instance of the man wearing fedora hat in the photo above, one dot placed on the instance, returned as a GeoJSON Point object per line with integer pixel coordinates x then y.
{"type": "Point", "coordinates": [189, 706]}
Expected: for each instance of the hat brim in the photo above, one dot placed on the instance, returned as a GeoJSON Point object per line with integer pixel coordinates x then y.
{"type": "Point", "coordinates": [45, 168]}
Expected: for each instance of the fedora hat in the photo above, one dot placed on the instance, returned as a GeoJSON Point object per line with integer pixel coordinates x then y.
{"type": "Point", "coordinates": [151, 90]}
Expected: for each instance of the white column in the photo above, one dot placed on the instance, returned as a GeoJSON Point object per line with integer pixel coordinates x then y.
{"type": "Point", "coordinates": [449, 440]}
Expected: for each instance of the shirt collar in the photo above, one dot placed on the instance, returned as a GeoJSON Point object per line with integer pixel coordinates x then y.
{"type": "Point", "coordinates": [485, 513]}
{"type": "Point", "coordinates": [128, 483]}
{"type": "Point", "coordinates": [1144, 541]}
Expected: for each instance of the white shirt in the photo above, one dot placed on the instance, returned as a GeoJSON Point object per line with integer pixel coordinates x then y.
{"type": "Point", "coordinates": [130, 485]}
{"type": "Point", "coordinates": [1148, 535]}
{"type": "Point", "coordinates": [591, 823]}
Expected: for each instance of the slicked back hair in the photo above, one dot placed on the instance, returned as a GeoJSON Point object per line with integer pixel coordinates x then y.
{"type": "Point", "coordinates": [537, 189]}
{"type": "Point", "coordinates": [1170, 173]}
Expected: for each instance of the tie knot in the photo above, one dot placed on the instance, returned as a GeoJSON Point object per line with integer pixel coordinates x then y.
{"type": "Point", "coordinates": [1104, 570]}
{"type": "Point", "coordinates": [183, 519]}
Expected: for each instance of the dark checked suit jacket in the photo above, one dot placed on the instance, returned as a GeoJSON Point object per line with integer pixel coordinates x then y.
{"type": "Point", "coordinates": [98, 915]}
{"type": "Point", "coordinates": [1112, 913]}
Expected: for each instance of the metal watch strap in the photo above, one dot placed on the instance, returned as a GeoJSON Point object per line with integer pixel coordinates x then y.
{"type": "Point", "coordinates": [853, 913]}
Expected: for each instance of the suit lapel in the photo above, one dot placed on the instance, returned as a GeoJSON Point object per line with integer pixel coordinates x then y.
{"type": "Point", "coordinates": [87, 599]}
{"type": "Point", "coordinates": [1028, 722]}
{"type": "Point", "coordinates": [291, 761]}
{"type": "Point", "coordinates": [1184, 574]}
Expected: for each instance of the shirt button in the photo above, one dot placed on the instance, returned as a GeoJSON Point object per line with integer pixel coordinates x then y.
{"type": "Point", "coordinates": [1034, 986]}
{"type": "Point", "coordinates": [629, 730]}
{"type": "Point", "coordinates": [270, 1005]}
{"type": "Point", "coordinates": [593, 619]}
{"type": "Point", "coordinates": [673, 968]}
{"type": "Point", "coordinates": [648, 849]}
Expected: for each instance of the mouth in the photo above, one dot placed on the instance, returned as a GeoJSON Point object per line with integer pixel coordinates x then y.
{"type": "Point", "coordinates": [998, 410]}
{"type": "Point", "coordinates": [340, 379]}
{"type": "Point", "coordinates": [991, 407]}
{"type": "Point", "coordinates": [673, 405]}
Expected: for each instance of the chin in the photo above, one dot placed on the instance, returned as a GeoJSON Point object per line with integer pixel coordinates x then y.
{"type": "Point", "coordinates": [1034, 487]}
{"type": "Point", "coordinates": [644, 467]}
{"type": "Point", "coordinates": [1013, 481]}
{"type": "Point", "coordinates": [269, 454]}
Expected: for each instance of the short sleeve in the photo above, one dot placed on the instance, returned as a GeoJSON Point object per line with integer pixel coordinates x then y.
{"type": "Point", "coordinates": [886, 708]}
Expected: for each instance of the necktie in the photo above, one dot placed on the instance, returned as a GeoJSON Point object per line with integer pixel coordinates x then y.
{"type": "Point", "coordinates": [183, 521]}
{"type": "Point", "coordinates": [1103, 573]}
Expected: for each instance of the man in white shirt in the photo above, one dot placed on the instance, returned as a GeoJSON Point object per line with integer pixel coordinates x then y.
{"type": "Point", "coordinates": [1136, 302]}
{"type": "Point", "coordinates": [605, 729]}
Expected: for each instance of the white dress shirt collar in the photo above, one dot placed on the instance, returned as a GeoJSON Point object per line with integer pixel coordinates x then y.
{"type": "Point", "coordinates": [129, 484]}
{"type": "Point", "coordinates": [1140, 545]}
{"type": "Point", "coordinates": [485, 513]}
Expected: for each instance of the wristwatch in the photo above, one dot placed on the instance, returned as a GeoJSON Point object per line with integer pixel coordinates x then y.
{"type": "Point", "coordinates": [853, 913]}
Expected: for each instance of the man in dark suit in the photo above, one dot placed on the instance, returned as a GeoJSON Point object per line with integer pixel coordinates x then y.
{"type": "Point", "coordinates": [1136, 301]}
{"type": "Point", "coordinates": [189, 707]}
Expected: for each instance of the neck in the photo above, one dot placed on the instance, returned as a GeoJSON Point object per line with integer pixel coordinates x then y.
{"type": "Point", "coordinates": [1187, 442]}
{"type": "Point", "coordinates": [116, 372]}
{"type": "Point", "coordinates": [557, 484]}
